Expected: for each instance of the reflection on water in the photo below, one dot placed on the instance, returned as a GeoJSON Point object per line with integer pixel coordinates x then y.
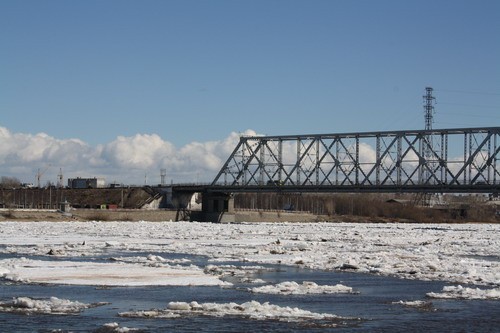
{"type": "Point", "coordinates": [374, 305]}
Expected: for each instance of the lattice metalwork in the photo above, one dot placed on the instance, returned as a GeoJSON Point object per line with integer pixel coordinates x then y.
{"type": "Point", "coordinates": [457, 158]}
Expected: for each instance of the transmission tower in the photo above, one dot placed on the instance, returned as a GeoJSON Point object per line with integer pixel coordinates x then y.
{"type": "Point", "coordinates": [428, 149]}
{"type": "Point", "coordinates": [429, 102]}
{"type": "Point", "coordinates": [60, 178]}
{"type": "Point", "coordinates": [163, 175]}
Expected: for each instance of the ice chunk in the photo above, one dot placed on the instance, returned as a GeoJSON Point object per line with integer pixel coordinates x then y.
{"type": "Point", "coordinates": [252, 310]}
{"type": "Point", "coordinates": [152, 257]}
{"type": "Point", "coordinates": [115, 328]}
{"type": "Point", "coordinates": [460, 292]}
{"type": "Point", "coordinates": [182, 306]}
{"type": "Point", "coordinates": [307, 287]}
{"type": "Point", "coordinates": [53, 305]}
{"type": "Point", "coordinates": [419, 305]}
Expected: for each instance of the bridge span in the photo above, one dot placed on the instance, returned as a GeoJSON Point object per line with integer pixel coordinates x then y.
{"type": "Point", "coordinates": [461, 160]}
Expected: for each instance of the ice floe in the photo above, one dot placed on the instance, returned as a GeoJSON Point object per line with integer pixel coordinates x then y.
{"type": "Point", "coordinates": [306, 287]}
{"type": "Point", "coordinates": [252, 310]}
{"type": "Point", "coordinates": [103, 274]}
{"type": "Point", "coordinates": [460, 292]}
{"type": "Point", "coordinates": [419, 305]}
{"type": "Point", "coordinates": [53, 305]}
{"type": "Point", "coordinates": [242, 274]}
{"type": "Point", "coordinates": [115, 328]}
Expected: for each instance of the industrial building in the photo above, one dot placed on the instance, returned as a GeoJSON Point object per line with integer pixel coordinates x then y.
{"type": "Point", "coordinates": [86, 182]}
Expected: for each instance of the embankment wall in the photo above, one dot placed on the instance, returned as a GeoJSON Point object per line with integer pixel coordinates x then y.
{"type": "Point", "coordinates": [147, 215]}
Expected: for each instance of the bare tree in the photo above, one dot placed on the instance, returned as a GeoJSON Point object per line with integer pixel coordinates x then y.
{"type": "Point", "coordinates": [9, 182]}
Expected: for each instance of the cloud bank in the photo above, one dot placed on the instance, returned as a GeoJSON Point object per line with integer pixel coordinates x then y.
{"type": "Point", "coordinates": [129, 160]}
{"type": "Point", "coordinates": [138, 159]}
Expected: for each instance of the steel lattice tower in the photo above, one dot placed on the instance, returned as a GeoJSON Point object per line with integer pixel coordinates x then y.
{"type": "Point", "coordinates": [428, 148]}
{"type": "Point", "coordinates": [429, 101]}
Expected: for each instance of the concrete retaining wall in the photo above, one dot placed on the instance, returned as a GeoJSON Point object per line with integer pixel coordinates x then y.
{"type": "Point", "coordinates": [124, 215]}
{"type": "Point", "coordinates": [150, 215]}
{"type": "Point", "coordinates": [277, 216]}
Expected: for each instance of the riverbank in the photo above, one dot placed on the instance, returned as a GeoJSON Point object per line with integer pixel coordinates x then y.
{"type": "Point", "coordinates": [166, 215]}
{"type": "Point", "coordinates": [156, 215]}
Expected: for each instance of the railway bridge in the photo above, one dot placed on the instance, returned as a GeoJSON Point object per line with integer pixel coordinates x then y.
{"type": "Point", "coordinates": [460, 160]}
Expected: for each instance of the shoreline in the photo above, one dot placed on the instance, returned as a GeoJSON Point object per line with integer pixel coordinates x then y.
{"type": "Point", "coordinates": [164, 215]}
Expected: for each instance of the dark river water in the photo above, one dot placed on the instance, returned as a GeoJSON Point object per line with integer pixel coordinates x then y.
{"type": "Point", "coordinates": [371, 309]}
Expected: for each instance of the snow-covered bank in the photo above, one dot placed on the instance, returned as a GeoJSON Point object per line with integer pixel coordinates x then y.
{"type": "Point", "coordinates": [462, 253]}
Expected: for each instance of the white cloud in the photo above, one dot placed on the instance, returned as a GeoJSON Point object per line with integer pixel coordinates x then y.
{"type": "Point", "coordinates": [138, 158]}
{"type": "Point", "coordinates": [142, 151]}
{"type": "Point", "coordinates": [126, 159]}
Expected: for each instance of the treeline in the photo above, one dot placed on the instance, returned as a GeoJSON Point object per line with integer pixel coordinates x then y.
{"type": "Point", "coordinates": [9, 182]}
{"type": "Point", "coordinates": [372, 206]}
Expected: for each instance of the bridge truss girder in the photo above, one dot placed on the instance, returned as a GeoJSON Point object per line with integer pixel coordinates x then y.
{"type": "Point", "coordinates": [444, 158]}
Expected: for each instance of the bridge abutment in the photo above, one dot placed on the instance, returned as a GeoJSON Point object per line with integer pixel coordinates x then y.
{"type": "Point", "coordinates": [218, 207]}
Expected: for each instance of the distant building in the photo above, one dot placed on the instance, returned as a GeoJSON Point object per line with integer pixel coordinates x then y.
{"type": "Point", "coordinates": [86, 182]}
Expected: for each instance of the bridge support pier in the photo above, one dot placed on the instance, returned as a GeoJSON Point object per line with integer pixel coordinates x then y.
{"type": "Point", "coordinates": [218, 207]}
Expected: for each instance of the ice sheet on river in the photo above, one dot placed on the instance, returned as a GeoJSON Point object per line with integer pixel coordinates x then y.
{"type": "Point", "coordinates": [459, 253]}
{"type": "Point", "coordinates": [102, 274]}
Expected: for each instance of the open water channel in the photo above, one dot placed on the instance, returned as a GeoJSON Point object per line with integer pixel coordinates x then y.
{"type": "Point", "coordinates": [373, 308]}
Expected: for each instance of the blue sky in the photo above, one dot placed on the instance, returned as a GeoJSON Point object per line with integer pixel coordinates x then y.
{"type": "Point", "coordinates": [195, 72]}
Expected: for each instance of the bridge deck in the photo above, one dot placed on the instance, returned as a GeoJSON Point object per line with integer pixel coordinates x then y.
{"type": "Point", "coordinates": [481, 188]}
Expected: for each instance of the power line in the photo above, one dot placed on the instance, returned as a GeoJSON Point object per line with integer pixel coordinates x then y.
{"type": "Point", "coordinates": [469, 115]}
{"type": "Point", "coordinates": [472, 105]}
{"type": "Point", "coordinates": [453, 124]}
{"type": "Point", "coordinates": [469, 92]}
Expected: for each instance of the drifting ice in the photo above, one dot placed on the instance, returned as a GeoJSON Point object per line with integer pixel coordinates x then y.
{"type": "Point", "coordinates": [252, 310]}
{"type": "Point", "coordinates": [307, 287]}
{"type": "Point", "coordinates": [53, 305]}
{"type": "Point", "coordinates": [466, 293]}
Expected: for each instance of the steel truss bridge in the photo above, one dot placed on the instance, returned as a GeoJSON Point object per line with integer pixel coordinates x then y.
{"type": "Point", "coordinates": [439, 161]}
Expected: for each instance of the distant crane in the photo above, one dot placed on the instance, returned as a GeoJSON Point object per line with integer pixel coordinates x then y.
{"type": "Point", "coordinates": [40, 173]}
